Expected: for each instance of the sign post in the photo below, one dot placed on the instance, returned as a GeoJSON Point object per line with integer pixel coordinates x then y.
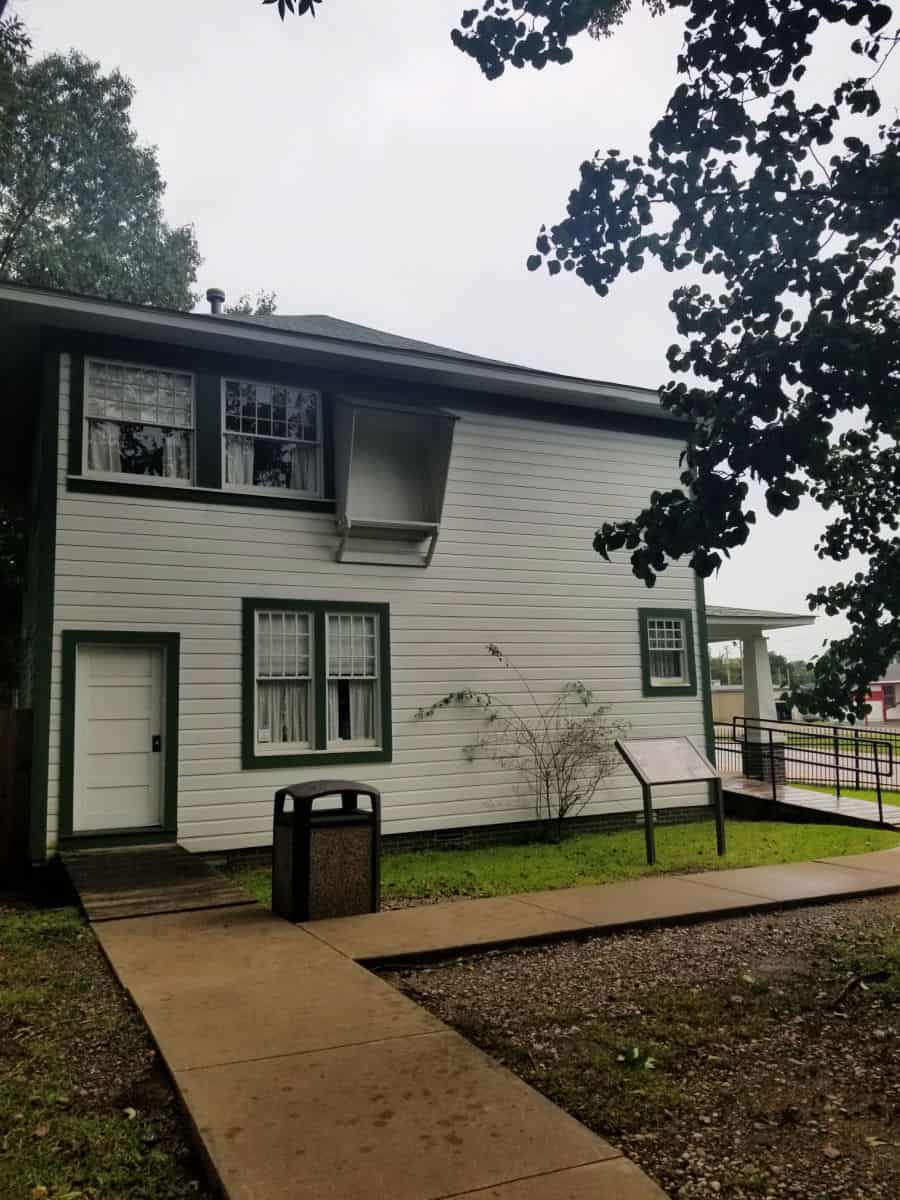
{"type": "Point", "coordinates": [664, 760]}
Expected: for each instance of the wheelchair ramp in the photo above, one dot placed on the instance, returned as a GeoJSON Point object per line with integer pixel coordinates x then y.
{"type": "Point", "coordinates": [753, 799]}
{"type": "Point", "coordinates": [143, 881]}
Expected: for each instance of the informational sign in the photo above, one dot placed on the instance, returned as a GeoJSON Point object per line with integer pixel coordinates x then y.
{"type": "Point", "coordinates": [666, 760]}
{"type": "Point", "coordinates": [661, 760]}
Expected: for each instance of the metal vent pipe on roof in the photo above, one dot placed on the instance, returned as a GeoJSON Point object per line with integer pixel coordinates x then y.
{"type": "Point", "coordinates": [216, 298]}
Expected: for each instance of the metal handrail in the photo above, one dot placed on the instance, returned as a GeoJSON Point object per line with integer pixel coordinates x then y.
{"type": "Point", "coordinates": [828, 740]}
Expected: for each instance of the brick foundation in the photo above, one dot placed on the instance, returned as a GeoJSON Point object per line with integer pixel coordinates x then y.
{"type": "Point", "coordinates": [470, 837]}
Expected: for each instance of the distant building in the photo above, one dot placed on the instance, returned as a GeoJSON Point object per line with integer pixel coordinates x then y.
{"type": "Point", "coordinates": [884, 695]}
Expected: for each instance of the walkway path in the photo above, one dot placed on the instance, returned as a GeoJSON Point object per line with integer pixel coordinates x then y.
{"type": "Point", "coordinates": [436, 930]}
{"type": "Point", "coordinates": [306, 1076]}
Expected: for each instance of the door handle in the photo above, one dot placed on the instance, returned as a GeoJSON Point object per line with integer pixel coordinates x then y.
{"type": "Point", "coordinates": [156, 743]}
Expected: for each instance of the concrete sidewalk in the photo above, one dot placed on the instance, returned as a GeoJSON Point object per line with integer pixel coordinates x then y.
{"type": "Point", "coordinates": [437, 930]}
{"type": "Point", "coordinates": [305, 1076]}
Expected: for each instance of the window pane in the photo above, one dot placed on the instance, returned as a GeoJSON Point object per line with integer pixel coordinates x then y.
{"type": "Point", "coordinates": [351, 645]}
{"type": "Point", "coordinates": [351, 710]}
{"type": "Point", "coordinates": [282, 644]}
{"type": "Point", "coordinates": [140, 394]}
{"type": "Point", "coordinates": [667, 664]}
{"type": "Point", "coordinates": [665, 633]}
{"type": "Point", "coordinates": [282, 712]}
{"type": "Point", "coordinates": [122, 448]}
{"type": "Point", "coordinates": [283, 465]}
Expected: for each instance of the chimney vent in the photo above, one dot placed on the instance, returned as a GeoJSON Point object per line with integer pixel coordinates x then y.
{"type": "Point", "coordinates": [216, 298]}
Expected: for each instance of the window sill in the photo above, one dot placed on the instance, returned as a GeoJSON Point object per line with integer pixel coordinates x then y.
{"type": "Point", "coordinates": [671, 689]}
{"type": "Point", "coordinates": [135, 480]}
{"type": "Point", "coordinates": [270, 493]}
{"type": "Point", "coordinates": [251, 761]}
{"type": "Point", "coordinates": [99, 486]}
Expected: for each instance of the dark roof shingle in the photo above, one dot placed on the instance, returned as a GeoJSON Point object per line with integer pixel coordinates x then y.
{"type": "Point", "coordinates": [320, 325]}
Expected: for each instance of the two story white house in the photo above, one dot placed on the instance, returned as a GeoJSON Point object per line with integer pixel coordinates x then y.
{"type": "Point", "coordinates": [257, 546]}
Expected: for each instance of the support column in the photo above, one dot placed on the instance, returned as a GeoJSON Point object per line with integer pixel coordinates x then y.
{"type": "Point", "coordinates": [759, 705]}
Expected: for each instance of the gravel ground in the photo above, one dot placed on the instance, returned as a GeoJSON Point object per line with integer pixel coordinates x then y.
{"type": "Point", "coordinates": [753, 1057]}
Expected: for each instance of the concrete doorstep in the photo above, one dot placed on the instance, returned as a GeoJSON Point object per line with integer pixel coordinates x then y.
{"type": "Point", "coordinates": [305, 1076]}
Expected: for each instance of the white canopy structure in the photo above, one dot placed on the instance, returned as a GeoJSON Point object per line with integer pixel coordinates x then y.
{"type": "Point", "coordinates": [750, 626]}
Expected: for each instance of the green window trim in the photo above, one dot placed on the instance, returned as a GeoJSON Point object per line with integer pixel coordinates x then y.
{"type": "Point", "coordinates": [170, 644]}
{"type": "Point", "coordinates": [688, 688]}
{"type": "Point", "coordinates": [251, 759]}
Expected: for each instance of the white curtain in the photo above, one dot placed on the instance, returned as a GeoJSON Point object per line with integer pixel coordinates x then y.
{"type": "Point", "coordinates": [666, 664]}
{"type": "Point", "coordinates": [239, 460]}
{"type": "Point", "coordinates": [303, 469]}
{"type": "Point", "coordinates": [361, 696]}
{"type": "Point", "coordinates": [333, 710]}
{"type": "Point", "coordinates": [177, 454]}
{"type": "Point", "coordinates": [282, 710]}
{"type": "Point", "coordinates": [103, 446]}
{"type": "Point", "coordinates": [362, 711]}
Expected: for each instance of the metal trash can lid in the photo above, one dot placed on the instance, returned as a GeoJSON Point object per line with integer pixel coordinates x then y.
{"type": "Point", "coordinates": [314, 788]}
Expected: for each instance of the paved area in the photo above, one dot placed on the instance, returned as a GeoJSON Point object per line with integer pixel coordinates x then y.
{"type": "Point", "coordinates": [305, 1076]}
{"type": "Point", "coordinates": [135, 881]}
{"type": "Point", "coordinates": [804, 803]}
{"type": "Point", "coordinates": [436, 930]}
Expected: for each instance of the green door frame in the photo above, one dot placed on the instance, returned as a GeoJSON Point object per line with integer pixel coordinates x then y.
{"type": "Point", "coordinates": [169, 643]}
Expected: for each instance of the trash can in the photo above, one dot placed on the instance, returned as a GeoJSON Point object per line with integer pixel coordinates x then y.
{"type": "Point", "coordinates": [325, 862]}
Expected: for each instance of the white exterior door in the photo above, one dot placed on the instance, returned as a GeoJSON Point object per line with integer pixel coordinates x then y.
{"type": "Point", "coordinates": [119, 724]}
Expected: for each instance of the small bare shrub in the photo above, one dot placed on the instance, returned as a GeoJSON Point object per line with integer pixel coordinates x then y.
{"type": "Point", "coordinates": [563, 749]}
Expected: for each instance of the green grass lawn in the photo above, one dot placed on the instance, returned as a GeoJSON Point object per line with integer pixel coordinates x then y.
{"type": "Point", "coordinates": [601, 858]}
{"type": "Point", "coordinates": [855, 793]}
{"type": "Point", "coordinates": [85, 1111]}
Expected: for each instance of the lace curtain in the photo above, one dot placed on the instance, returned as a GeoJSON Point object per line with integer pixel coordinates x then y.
{"type": "Point", "coordinates": [283, 710]}
{"type": "Point", "coordinates": [103, 447]}
{"type": "Point", "coordinates": [240, 464]}
{"type": "Point", "coordinates": [105, 450]}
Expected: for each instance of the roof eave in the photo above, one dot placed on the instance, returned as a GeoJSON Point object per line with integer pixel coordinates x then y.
{"type": "Point", "coordinates": [204, 331]}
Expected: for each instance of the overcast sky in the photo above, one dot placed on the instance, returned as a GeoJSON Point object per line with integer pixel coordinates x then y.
{"type": "Point", "coordinates": [359, 165]}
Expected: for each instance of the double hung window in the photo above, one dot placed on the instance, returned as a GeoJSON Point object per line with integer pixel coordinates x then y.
{"type": "Point", "coordinates": [272, 438]}
{"type": "Point", "coordinates": [667, 652]}
{"type": "Point", "coordinates": [138, 422]}
{"type": "Point", "coordinates": [316, 681]}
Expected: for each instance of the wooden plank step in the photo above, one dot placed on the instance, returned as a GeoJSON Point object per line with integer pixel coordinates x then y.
{"type": "Point", "coordinates": [139, 881]}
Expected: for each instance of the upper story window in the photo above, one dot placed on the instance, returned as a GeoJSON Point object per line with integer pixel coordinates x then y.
{"type": "Point", "coordinates": [272, 438]}
{"type": "Point", "coordinates": [667, 652]}
{"type": "Point", "coordinates": [138, 422]}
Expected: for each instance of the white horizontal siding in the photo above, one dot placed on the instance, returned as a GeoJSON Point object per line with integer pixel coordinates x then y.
{"type": "Point", "coordinates": [514, 565]}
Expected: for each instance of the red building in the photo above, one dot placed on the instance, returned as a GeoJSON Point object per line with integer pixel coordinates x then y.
{"type": "Point", "coordinates": [884, 695]}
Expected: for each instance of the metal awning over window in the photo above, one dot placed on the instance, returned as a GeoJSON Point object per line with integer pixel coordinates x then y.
{"type": "Point", "coordinates": [391, 464]}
